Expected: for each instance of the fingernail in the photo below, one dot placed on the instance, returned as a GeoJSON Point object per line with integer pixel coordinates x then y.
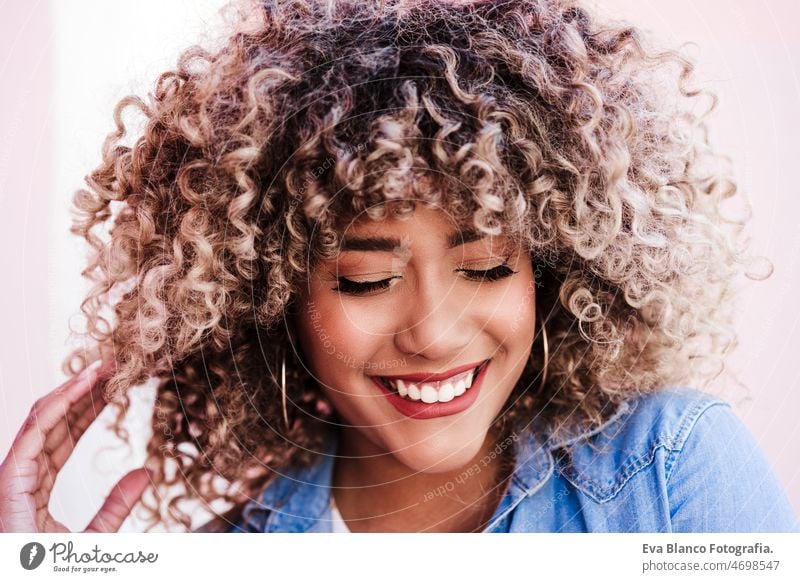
{"type": "Point", "coordinates": [89, 370]}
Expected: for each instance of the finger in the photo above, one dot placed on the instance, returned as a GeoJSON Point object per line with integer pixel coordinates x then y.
{"type": "Point", "coordinates": [77, 420]}
{"type": "Point", "coordinates": [102, 368]}
{"type": "Point", "coordinates": [19, 479]}
{"type": "Point", "coordinates": [120, 502]}
{"type": "Point", "coordinates": [92, 400]}
{"type": "Point", "coordinates": [17, 509]}
{"type": "Point", "coordinates": [75, 430]}
{"type": "Point", "coordinates": [74, 387]}
{"type": "Point", "coordinates": [65, 385]}
{"type": "Point", "coordinates": [101, 371]}
{"type": "Point", "coordinates": [46, 414]}
{"type": "Point", "coordinates": [52, 461]}
{"type": "Point", "coordinates": [37, 477]}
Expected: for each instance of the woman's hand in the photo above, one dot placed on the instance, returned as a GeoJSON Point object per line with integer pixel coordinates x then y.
{"type": "Point", "coordinates": [42, 446]}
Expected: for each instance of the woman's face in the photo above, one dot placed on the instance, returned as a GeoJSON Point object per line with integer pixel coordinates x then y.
{"type": "Point", "coordinates": [409, 299]}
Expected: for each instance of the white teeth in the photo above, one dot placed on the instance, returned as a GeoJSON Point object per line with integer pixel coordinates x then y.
{"type": "Point", "coordinates": [401, 388]}
{"type": "Point", "coordinates": [446, 393]}
{"type": "Point", "coordinates": [429, 394]}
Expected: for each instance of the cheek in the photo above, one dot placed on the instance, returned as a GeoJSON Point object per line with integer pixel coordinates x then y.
{"type": "Point", "coordinates": [336, 338]}
{"type": "Point", "coordinates": [513, 315]}
{"type": "Point", "coordinates": [315, 333]}
{"type": "Point", "coordinates": [338, 347]}
{"type": "Point", "coordinates": [521, 309]}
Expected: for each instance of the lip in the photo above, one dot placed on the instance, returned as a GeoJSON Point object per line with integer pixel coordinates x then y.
{"type": "Point", "coordinates": [428, 377]}
{"type": "Point", "coordinates": [423, 411]}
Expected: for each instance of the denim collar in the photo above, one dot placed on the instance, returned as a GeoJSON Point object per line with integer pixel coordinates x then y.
{"type": "Point", "coordinates": [294, 501]}
{"type": "Point", "coordinates": [297, 500]}
{"type": "Point", "coordinates": [535, 463]}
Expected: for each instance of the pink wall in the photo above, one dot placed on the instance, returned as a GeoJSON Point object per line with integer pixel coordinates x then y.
{"type": "Point", "coordinates": [26, 197]}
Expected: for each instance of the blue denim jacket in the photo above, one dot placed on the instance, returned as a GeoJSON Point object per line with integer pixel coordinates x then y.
{"type": "Point", "coordinates": [677, 460]}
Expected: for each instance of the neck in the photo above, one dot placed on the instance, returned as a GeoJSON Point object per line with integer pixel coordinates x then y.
{"type": "Point", "coordinates": [376, 492]}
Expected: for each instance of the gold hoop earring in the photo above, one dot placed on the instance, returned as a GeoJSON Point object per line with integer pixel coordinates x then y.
{"type": "Point", "coordinates": [283, 391]}
{"type": "Point", "coordinates": [546, 355]}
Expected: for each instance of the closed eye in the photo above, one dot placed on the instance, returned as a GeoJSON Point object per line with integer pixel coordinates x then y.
{"type": "Point", "coordinates": [356, 288]}
{"type": "Point", "coordinates": [493, 274]}
{"type": "Point", "coordinates": [364, 288]}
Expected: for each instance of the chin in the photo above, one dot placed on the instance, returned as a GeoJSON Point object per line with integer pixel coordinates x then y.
{"type": "Point", "coordinates": [440, 453]}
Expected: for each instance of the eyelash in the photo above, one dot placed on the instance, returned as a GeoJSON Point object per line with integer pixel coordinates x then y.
{"type": "Point", "coordinates": [355, 288]}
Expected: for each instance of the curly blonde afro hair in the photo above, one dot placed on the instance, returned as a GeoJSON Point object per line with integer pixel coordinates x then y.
{"type": "Point", "coordinates": [526, 117]}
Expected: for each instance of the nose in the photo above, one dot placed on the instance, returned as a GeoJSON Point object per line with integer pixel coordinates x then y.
{"type": "Point", "coordinates": [434, 324]}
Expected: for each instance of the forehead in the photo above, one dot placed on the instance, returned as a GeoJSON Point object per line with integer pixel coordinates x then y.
{"type": "Point", "coordinates": [426, 221]}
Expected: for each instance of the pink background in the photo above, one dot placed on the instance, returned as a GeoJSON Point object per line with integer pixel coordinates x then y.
{"type": "Point", "coordinates": [64, 64]}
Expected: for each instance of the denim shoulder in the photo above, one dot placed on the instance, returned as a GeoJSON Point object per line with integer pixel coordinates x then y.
{"type": "Point", "coordinates": [689, 447]}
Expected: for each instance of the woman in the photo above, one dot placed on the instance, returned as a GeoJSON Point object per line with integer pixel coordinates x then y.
{"type": "Point", "coordinates": [414, 266]}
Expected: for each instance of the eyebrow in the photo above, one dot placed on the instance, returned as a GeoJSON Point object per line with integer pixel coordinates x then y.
{"type": "Point", "coordinates": [389, 244]}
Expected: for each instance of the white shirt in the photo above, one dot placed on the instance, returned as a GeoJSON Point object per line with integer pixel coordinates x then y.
{"type": "Point", "coordinates": [337, 523]}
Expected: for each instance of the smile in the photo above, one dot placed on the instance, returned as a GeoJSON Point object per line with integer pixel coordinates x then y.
{"type": "Point", "coordinates": [430, 392]}
{"type": "Point", "coordinates": [424, 396]}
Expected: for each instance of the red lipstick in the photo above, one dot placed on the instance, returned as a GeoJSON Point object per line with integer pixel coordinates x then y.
{"type": "Point", "coordinates": [431, 377]}
{"type": "Point", "coordinates": [421, 410]}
